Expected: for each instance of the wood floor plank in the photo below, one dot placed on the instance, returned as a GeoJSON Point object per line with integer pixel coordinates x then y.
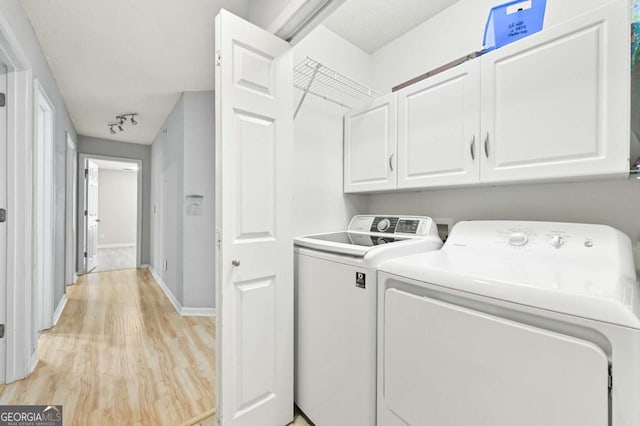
{"type": "Point", "coordinates": [120, 354]}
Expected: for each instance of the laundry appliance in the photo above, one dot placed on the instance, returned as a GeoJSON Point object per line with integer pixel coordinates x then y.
{"type": "Point", "coordinates": [335, 294]}
{"type": "Point", "coordinates": [511, 323]}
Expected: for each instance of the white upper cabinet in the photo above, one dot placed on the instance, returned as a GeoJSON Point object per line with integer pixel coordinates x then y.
{"type": "Point", "coordinates": [370, 143]}
{"type": "Point", "coordinates": [439, 129]}
{"type": "Point", "coordinates": [556, 104]}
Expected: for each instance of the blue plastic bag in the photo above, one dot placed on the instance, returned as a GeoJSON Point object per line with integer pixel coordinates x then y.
{"type": "Point", "coordinates": [513, 21]}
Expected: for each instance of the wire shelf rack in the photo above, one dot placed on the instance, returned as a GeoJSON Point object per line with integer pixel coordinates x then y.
{"type": "Point", "coordinates": [311, 76]}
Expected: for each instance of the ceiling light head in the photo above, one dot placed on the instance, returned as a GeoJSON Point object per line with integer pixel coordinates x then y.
{"type": "Point", "coordinates": [133, 119]}
{"type": "Point", "coordinates": [120, 128]}
{"type": "Point", "coordinates": [121, 119]}
{"type": "Point", "coordinates": [113, 132]}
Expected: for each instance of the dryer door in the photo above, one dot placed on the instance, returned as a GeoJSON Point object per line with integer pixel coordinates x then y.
{"type": "Point", "coordinates": [447, 365]}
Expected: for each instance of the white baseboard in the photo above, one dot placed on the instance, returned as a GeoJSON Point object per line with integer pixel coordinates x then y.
{"type": "Point", "coordinates": [118, 245]}
{"type": "Point", "coordinates": [59, 309]}
{"type": "Point", "coordinates": [75, 277]}
{"type": "Point", "coordinates": [182, 311]}
{"type": "Point", "coordinates": [165, 289]}
{"type": "Point", "coordinates": [33, 361]}
{"type": "Point", "coordinates": [198, 312]}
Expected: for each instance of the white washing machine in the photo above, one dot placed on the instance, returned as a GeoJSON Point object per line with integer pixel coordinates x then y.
{"type": "Point", "coordinates": [335, 294]}
{"type": "Point", "coordinates": [512, 323]}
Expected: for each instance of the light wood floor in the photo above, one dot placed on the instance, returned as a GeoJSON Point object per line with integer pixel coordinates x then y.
{"type": "Point", "coordinates": [115, 258]}
{"type": "Point", "coordinates": [120, 354]}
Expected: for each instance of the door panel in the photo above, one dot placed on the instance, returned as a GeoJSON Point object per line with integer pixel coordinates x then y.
{"type": "Point", "coordinates": [370, 147]}
{"type": "Point", "coordinates": [92, 216]}
{"type": "Point", "coordinates": [556, 104]}
{"type": "Point", "coordinates": [448, 365]}
{"type": "Point", "coordinates": [438, 129]}
{"type": "Point", "coordinates": [254, 256]}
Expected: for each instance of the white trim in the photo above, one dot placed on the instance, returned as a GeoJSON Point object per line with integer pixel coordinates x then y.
{"type": "Point", "coordinates": [71, 197]}
{"type": "Point", "coordinates": [165, 289]}
{"type": "Point", "coordinates": [75, 277]}
{"type": "Point", "coordinates": [59, 309]}
{"type": "Point", "coordinates": [33, 361]}
{"type": "Point", "coordinates": [19, 189]}
{"type": "Point", "coordinates": [117, 245]}
{"type": "Point", "coordinates": [300, 17]}
{"type": "Point", "coordinates": [44, 223]}
{"type": "Point", "coordinates": [182, 311]}
{"type": "Point", "coordinates": [287, 13]}
{"type": "Point", "coordinates": [83, 157]}
{"type": "Point", "coordinates": [198, 312]}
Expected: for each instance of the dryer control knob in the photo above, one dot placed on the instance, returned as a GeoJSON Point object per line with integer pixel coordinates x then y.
{"type": "Point", "coordinates": [518, 239]}
{"type": "Point", "coordinates": [557, 241]}
{"type": "Point", "coordinates": [383, 225]}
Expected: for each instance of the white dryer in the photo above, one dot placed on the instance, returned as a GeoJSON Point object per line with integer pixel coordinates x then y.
{"type": "Point", "coordinates": [335, 303]}
{"type": "Point", "coordinates": [512, 323]}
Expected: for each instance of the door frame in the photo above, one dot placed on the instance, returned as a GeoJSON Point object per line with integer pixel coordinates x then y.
{"type": "Point", "coordinates": [44, 210]}
{"type": "Point", "coordinates": [71, 200]}
{"type": "Point", "coordinates": [19, 362]}
{"type": "Point", "coordinates": [82, 199]}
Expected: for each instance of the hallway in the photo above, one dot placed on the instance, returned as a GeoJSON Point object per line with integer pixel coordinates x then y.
{"type": "Point", "coordinates": [120, 354]}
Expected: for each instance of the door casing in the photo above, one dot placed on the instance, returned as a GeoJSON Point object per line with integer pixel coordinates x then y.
{"type": "Point", "coordinates": [82, 159]}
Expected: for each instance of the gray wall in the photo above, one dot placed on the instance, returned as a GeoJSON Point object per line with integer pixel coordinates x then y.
{"type": "Point", "coordinates": [199, 176]}
{"type": "Point", "coordinates": [96, 146]}
{"type": "Point", "coordinates": [183, 165]}
{"type": "Point", "coordinates": [167, 195]}
{"type": "Point", "coordinates": [117, 207]}
{"type": "Point", "coordinates": [21, 27]}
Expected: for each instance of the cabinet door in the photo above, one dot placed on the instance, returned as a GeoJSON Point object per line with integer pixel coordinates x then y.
{"type": "Point", "coordinates": [556, 105]}
{"type": "Point", "coordinates": [370, 145]}
{"type": "Point", "coordinates": [439, 129]}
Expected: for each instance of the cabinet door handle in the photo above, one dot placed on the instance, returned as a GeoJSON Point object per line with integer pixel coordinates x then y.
{"type": "Point", "coordinates": [486, 145]}
{"type": "Point", "coordinates": [472, 148]}
{"type": "Point", "coordinates": [391, 162]}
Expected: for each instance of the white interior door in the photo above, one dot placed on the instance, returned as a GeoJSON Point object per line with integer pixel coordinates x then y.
{"type": "Point", "coordinates": [91, 214]}
{"type": "Point", "coordinates": [254, 256]}
{"type": "Point", "coordinates": [3, 223]}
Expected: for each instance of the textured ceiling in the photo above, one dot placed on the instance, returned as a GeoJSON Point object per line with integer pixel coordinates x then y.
{"type": "Point", "coordinates": [370, 24]}
{"type": "Point", "coordinates": [118, 56]}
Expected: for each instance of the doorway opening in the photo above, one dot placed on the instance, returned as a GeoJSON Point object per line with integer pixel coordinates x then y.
{"type": "Point", "coordinates": [111, 213]}
{"type": "Point", "coordinates": [44, 137]}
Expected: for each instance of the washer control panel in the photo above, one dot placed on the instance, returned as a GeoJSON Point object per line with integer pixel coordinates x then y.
{"type": "Point", "coordinates": [405, 225]}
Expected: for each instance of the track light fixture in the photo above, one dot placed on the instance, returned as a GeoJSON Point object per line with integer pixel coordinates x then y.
{"type": "Point", "coordinates": [121, 120]}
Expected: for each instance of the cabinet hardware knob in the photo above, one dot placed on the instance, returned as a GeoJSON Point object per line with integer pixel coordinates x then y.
{"type": "Point", "coordinates": [235, 262]}
{"type": "Point", "coordinates": [486, 145]}
{"type": "Point", "coordinates": [472, 148]}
